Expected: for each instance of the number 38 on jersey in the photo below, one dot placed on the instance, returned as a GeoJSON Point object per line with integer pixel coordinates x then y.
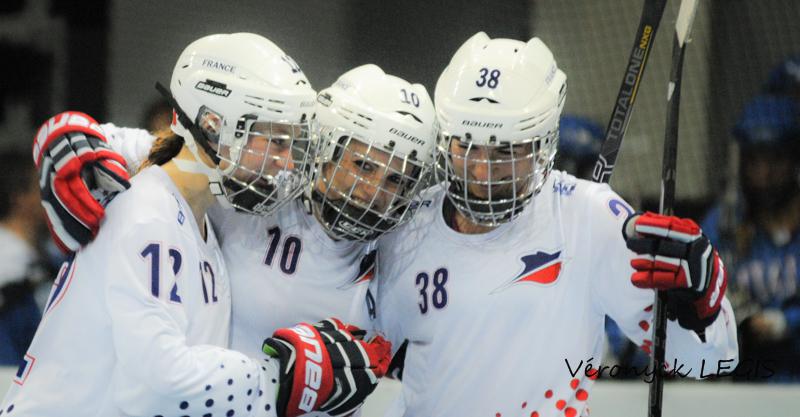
{"type": "Point", "coordinates": [432, 290]}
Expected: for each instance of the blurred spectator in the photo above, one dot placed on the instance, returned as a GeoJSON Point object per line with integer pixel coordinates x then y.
{"type": "Point", "coordinates": [758, 233]}
{"type": "Point", "coordinates": [579, 144]}
{"type": "Point", "coordinates": [157, 116]}
{"type": "Point", "coordinates": [21, 224]}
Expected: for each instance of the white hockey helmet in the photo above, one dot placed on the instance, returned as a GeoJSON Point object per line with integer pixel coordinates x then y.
{"type": "Point", "coordinates": [377, 134]}
{"type": "Point", "coordinates": [249, 107]}
{"type": "Point", "coordinates": [498, 103]}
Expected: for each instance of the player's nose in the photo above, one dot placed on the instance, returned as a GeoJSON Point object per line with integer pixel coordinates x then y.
{"type": "Point", "coordinates": [479, 166]}
{"type": "Point", "coordinates": [283, 159]}
{"type": "Point", "coordinates": [481, 172]}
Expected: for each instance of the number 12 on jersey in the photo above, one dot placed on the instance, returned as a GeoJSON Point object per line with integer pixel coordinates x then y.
{"type": "Point", "coordinates": [152, 254]}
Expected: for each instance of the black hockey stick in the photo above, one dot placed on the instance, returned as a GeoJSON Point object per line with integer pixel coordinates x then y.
{"type": "Point", "coordinates": [683, 26]}
{"type": "Point", "coordinates": [620, 116]}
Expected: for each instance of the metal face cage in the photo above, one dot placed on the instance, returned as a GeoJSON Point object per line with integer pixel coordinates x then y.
{"type": "Point", "coordinates": [491, 184]}
{"type": "Point", "coordinates": [362, 188]}
{"type": "Point", "coordinates": [264, 163]}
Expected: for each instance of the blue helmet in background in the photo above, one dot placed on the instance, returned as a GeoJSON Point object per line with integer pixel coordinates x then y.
{"type": "Point", "coordinates": [579, 138]}
{"type": "Point", "coordinates": [785, 78]}
{"type": "Point", "coordinates": [579, 143]}
{"type": "Point", "coordinates": [768, 121]}
{"type": "Point", "coordinates": [768, 132]}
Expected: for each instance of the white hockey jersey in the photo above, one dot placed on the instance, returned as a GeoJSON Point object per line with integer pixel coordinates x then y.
{"type": "Point", "coordinates": [136, 322]}
{"type": "Point", "coordinates": [284, 269]}
{"type": "Point", "coordinates": [504, 323]}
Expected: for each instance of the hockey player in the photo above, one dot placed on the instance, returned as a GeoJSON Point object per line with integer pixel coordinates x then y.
{"type": "Point", "coordinates": [137, 321]}
{"type": "Point", "coordinates": [314, 257]}
{"type": "Point", "coordinates": [501, 281]}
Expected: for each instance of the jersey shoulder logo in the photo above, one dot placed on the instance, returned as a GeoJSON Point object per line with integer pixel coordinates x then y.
{"type": "Point", "coordinates": [366, 270]}
{"type": "Point", "coordinates": [564, 188]}
{"type": "Point", "coordinates": [538, 268]}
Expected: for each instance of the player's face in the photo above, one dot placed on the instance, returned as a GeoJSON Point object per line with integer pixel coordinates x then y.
{"type": "Point", "coordinates": [271, 148]}
{"type": "Point", "coordinates": [764, 169]}
{"type": "Point", "coordinates": [493, 172]}
{"type": "Point", "coordinates": [368, 177]}
{"type": "Point", "coordinates": [769, 178]}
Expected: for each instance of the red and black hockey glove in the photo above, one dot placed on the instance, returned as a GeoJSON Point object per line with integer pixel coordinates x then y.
{"type": "Point", "coordinates": [324, 367]}
{"type": "Point", "coordinates": [673, 254]}
{"type": "Point", "coordinates": [77, 171]}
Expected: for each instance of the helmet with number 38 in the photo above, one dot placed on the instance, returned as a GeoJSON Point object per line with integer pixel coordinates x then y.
{"type": "Point", "coordinates": [377, 133]}
{"type": "Point", "coordinates": [498, 103]}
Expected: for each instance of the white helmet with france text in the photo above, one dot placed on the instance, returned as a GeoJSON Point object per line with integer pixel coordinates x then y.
{"type": "Point", "coordinates": [249, 107]}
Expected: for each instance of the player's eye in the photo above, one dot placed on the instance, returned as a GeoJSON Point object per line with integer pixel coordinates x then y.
{"type": "Point", "coordinates": [514, 150]}
{"type": "Point", "coordinates": [364, 166]}
{"type": "Point", "coordinates": [395, 179]}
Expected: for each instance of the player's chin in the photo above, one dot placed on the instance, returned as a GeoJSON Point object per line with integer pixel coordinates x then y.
{"type": "Point", "coordinates": [491, 193]}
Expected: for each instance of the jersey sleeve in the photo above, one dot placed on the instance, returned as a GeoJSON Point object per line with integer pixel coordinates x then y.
{"type": "Point", "coordinates": [157, 372]}
{"type": "Point", "coordinates": [383, 309]}
{"type": "Point", "coordinates": [133, 144]}
{"type": "Point", "coordinates": [632, 308]}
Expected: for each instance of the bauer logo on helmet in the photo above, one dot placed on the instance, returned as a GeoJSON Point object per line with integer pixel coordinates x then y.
{"type": "Point", "coordinates": [212, 87]}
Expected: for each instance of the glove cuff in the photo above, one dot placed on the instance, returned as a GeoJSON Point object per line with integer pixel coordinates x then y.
{"type": "Point", "coordinates": [285, 354]}
{"type": "Point", "coordinates": [696, 311]}
{"type": "Point", "coordinates": [685, 312]}
{"type": "Point", "coordinates": [305, 372]}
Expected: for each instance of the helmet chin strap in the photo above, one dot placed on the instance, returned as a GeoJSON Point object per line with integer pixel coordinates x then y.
{"type": "Point", "coordinates": [196, 166]}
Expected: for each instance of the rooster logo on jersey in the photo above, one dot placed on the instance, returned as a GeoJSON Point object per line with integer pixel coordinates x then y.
{"type": "Point", "coordinates": [540, 268]}
{"type": "Point", "coordinates": [366, 270]}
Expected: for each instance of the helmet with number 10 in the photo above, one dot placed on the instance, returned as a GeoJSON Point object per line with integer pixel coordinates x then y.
{"type": "Point", "coordinates": [498, 103]}
{"type": "Point", "coordinates": [377, 133]}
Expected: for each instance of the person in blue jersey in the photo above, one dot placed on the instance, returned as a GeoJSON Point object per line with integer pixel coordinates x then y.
{"type": "Point", "coordinates": [759, 232]}
{"type": "Point", "coordinates": [21, 268]}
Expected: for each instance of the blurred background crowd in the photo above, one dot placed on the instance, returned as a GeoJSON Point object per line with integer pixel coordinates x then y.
{"type": "Point", "coordinates": [739, 152]}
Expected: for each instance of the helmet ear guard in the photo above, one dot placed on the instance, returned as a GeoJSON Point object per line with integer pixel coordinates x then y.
{"type": "Point", "coordinates": [198, 134]}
